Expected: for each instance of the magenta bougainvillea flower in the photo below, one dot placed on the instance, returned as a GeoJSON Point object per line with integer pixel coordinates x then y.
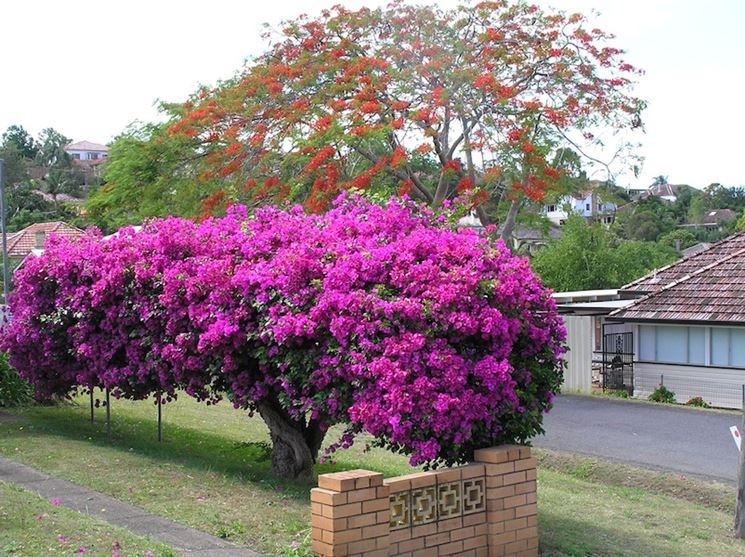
{"type": "Point", "coordinates": [388, 319]}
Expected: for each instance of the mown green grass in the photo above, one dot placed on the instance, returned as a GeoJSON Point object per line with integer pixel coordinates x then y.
{"type": "Point", "coordinates": [32, 526]}
{"type": "Point", "coordinates": [211, 473]}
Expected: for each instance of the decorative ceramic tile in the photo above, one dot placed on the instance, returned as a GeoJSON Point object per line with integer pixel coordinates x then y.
{"type": "Point", "coordinates": [473, 496]}
{"type": "Point", "coordinates": [449, 501]}
{"type": "Point", "coordinates": [423, 505]}
{"type": "Point", "coordinates": [400, 510]}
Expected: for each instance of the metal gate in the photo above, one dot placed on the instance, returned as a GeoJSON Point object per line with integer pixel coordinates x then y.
{"type": "Point", "coordinates": [618, 362]}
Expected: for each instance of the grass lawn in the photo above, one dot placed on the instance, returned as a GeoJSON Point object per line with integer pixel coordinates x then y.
{"type": "Point", "coordinates": [30, 525]}
{"type": "Point", "coordinates": [211, 473]}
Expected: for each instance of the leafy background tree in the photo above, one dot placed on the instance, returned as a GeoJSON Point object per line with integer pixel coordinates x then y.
{"type": "Point", "coordinates": [587, 257]}
{"type": "Point", "coordinates": [53, 173]}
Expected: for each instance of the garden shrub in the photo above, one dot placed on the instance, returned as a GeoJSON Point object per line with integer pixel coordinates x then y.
{"type": "Point", "coordinates": [434, 340]}
{"type": "Point", "coordinates": [698, 401]}
{"type": "Point", "coordinates": [662, 394]}
{"type": "Point", "coordinates": [14, 391]}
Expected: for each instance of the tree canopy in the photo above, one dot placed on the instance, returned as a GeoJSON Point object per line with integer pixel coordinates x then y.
{"type": "Point", "coordinates": [414, 100]}
{"type": "Point", "coordinates": [587, 258]}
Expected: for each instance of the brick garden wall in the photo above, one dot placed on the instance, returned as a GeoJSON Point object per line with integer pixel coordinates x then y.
{"type": "Point", "coordinates": [484, 509]}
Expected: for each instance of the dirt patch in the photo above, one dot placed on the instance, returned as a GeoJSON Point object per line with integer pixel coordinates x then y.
{"type": "Point", "coordinates": [713, 495]}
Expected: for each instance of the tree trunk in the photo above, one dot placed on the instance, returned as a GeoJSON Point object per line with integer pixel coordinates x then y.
{"type": "Point", "coordinates": [509, 222]}
{"type": "Point", "coordinates": [295, 444]}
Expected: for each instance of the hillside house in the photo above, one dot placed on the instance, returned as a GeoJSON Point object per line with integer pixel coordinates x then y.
{"type": "Point", "coordinates": [587, 204]}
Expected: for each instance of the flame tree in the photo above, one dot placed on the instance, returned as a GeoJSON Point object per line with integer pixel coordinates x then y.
{"type": "Point", "coordinates": [414, 100]}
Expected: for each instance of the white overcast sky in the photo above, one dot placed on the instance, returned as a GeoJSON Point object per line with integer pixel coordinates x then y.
{"type": "Point", "coordinates": [89, 69]}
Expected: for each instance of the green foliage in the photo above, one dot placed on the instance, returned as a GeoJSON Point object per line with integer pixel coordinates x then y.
{"type": "Point", "coordinates": [14, 391]}
{"type": "Point", "coordinates": [51, 149]}
{"type": "Point", "coordinates": [150, 173]}
{"type": "Point", "coordinates": [299, 547]}
{"type": "Point", "coordinates": [741, 221]}
{"type": "Point", "coordinates": [678, 239]}
{"type": "Point", "coordinates": [698, 402]}
{"type": "Point", "coordinates": [646, 220]}
{"type": "Point", "coordinates": [662, 394]}
{"type": "Point", "coordinates": [585, 258]}
{"type": "Point", "coordinates": [17, 137]}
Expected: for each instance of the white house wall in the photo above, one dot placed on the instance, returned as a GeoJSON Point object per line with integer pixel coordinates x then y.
{"type": "Point", "coordinates": [721, 387]}
{"type": "Point", "coordinates": [578, 373]}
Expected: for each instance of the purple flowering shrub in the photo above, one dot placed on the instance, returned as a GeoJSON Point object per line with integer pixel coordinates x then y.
{"type": "Point", "coordinates": [433, 340]}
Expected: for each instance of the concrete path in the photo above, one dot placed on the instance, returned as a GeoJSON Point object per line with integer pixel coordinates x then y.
{"type": "Point", "coordinates": [657, 436]}
{"type": "Point", "coordinates": [186, 541]}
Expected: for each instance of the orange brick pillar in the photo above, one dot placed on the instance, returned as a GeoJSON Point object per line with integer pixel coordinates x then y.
{"type": "Point", "coordinates": [511, 502]}
{"type": "Point", "coordinates": [351, 515]}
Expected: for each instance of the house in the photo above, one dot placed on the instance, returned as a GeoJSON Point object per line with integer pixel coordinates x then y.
{"type": "Point", "coordinates": [86, 151]}
{"type": "Point", "coordinates": [88, 156]}
{"type": "Point", "coordinates": [682, 326]}
{"type": "Point", "coordinates": [31, 239]}
{"type": "Point", "coordinates": [666, 192]}
{"type": "Point", "coordinates": [688, 326]}
{"type": "Point", "coordinates": [587, 204]}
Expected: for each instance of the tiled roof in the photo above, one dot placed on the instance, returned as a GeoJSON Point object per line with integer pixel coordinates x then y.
{"type": "Point", "coordinates": [657, 280]}
{"type": "Point", "coordinates": [713, 293]}
{"type": "Point", "coordinates": [719, 215]}
{"type": "Point", "coordinates": [25, 241]}
{"type": "Point", "coordinates": [86, 146]}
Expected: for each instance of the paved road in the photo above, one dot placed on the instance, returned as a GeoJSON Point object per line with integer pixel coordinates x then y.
{"type": "Point", "coordinates": [661, 437]}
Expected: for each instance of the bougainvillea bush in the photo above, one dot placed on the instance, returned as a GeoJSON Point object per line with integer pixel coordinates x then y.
{"type": "Point", "coordinates": [434, 340]}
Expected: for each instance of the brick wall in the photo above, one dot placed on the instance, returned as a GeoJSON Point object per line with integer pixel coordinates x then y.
{"type": "Point", "coordinates": [484, 509]}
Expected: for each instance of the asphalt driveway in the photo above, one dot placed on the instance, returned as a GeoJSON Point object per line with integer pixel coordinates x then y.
{"type": "Point", "coordinates": [657, 436]}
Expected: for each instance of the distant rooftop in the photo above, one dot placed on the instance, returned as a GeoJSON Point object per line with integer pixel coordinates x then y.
{"type": "Point", "coordinates": [86, 146]}
{"type": "Point", "coordinates": [657, 280]}
{"type": "Point", "coordinates": [25, 241]}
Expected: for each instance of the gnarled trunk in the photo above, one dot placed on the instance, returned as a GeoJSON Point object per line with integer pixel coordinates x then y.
{"type": "Point", "coordinates": [295, 444]}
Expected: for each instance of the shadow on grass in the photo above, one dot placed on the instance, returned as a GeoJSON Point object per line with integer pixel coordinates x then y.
{"type": "Point", "coordinates": [184, 446]}
{"type": "Point", "coordinates": [247, 461]}
{"type": "Point", "coordinates": [566, 537]}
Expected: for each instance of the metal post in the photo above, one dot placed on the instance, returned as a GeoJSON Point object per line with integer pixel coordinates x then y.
{"type": "Point", "coordinates": [160, 419]}
{"type": "Point", "coordinates": [108, 415]}
{"type": "Point", "coordinates": [662, 379]}
{"type": "Point", "coordinates": [91, 393]}
{"type": "Point", "coordinates": [3, 226]}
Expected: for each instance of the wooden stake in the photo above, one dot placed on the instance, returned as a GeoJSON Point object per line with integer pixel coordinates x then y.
{"type": "Point", "coordinates": [91, 390]}
{"type": "Point", "coordinates": [160, 420]}
{"type": "Point", "coordinates": [108, 415]}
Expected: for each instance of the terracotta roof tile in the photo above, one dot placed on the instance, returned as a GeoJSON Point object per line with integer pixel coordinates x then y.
{"type": "Point", "coordinates": [23, 242]}
{"type": "Point", "coordinates": [660, 278]}
{"type": "Point", "coordinates": [712, 293]}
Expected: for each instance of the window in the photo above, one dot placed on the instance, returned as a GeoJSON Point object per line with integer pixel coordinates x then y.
{"type": "Point", "coordinates": [92, 156]}
{"type": "Point", "coordinates": [720, 347]}
{"type": "Point", "coordinates": [737, 348]}
{"type": "Point", "coordinates": [551, 208]}
{"type": "Point", "coordinates": [646, 343]}
{"type": "Point", "coordinates": [696, 345]}
{"type": "Point", "coordinates": [76, 156]}
{"type": "Point", "coordinates": [728, 347]}
{"type": "Point", "coordinates": [587, 206]}
{"type": "Point", "coordinates": [672, 344]}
